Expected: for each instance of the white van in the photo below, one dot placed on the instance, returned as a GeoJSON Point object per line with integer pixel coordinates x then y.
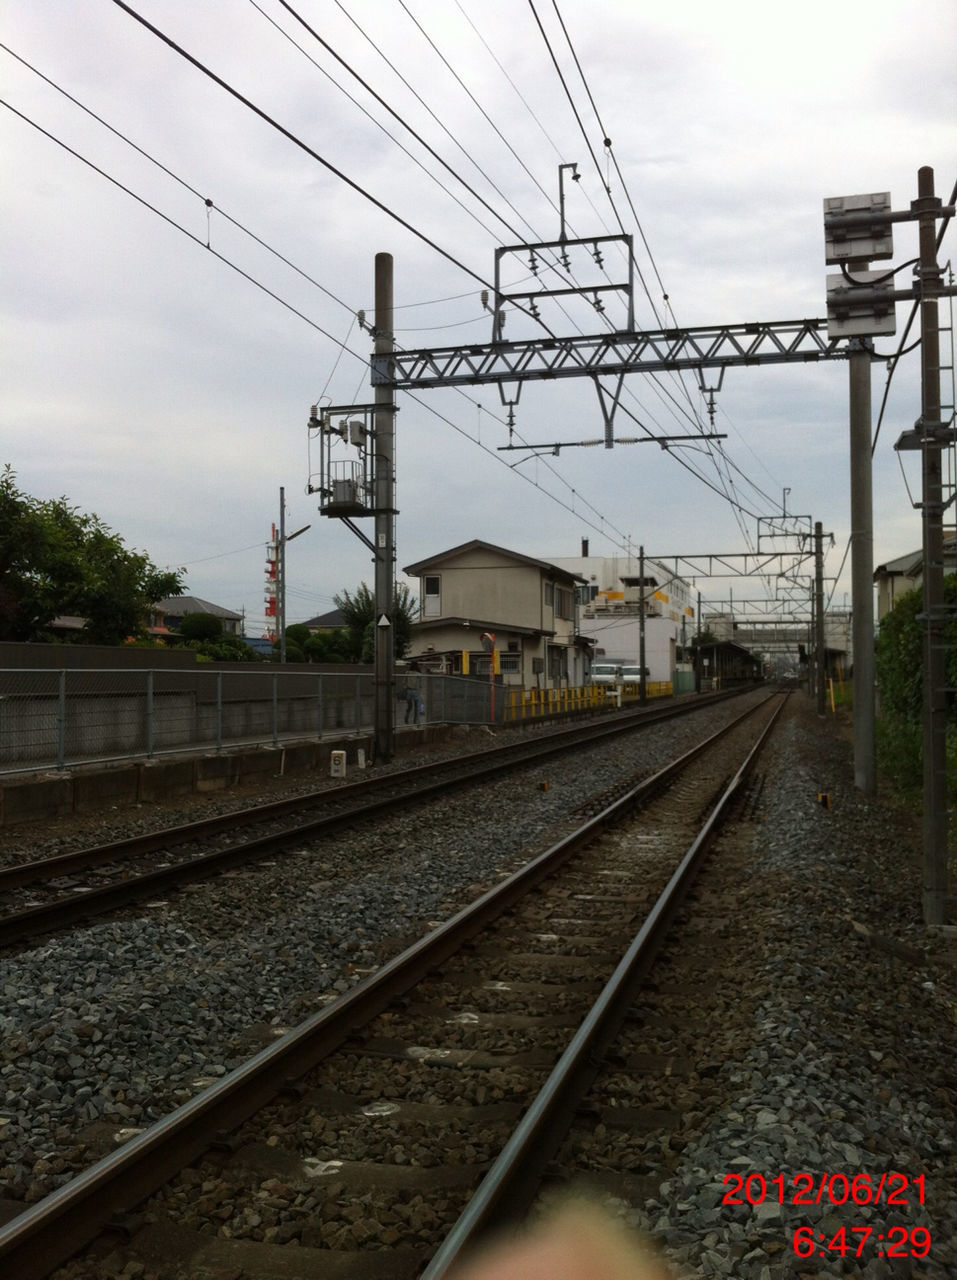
{"type": "Point", "coordinates": [605, 673]}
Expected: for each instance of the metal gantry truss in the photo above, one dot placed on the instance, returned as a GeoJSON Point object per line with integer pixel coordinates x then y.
{"type": "Point", "coordinates": [596, 355]}
{"type": "Point", "coordinates": [610, 355]}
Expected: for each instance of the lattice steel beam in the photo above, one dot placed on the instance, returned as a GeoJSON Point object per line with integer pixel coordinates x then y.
{"type": "Point", "coordinates": [725, 564]}
{"type": "Point", "coordinates": [721, 346]}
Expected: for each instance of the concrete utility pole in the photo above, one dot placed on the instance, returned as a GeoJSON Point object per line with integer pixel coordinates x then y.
{"type": "Point", "coordinates": [931, 432]}
{"type": "Point", "coordinates": [642, 690]}
{"type": "Point", "coordinates": [862, 565]}
{"type": "Point", "coordinates": [820, 642]}
{"type": "Point", "coordinates": [384, 517]}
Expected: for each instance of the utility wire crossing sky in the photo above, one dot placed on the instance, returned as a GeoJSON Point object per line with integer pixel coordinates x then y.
{"type": "Point", "coordinates": [197, 195]}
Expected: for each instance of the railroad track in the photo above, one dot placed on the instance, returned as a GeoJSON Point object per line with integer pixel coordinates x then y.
{"type": "Point", "coordinates": [397, 1138]}
{"type": "Point", "coordinates": [42, 896]}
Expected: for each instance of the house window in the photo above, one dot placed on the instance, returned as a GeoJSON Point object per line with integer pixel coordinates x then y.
{"type": "Point", "coordinates": [557, 662]}
{"type": "Point", "coordinates": [510, 664]}
{"type": "Point", "coordinates": [549, 594]}
{"type": "Point", "coordinates": [431, 596]}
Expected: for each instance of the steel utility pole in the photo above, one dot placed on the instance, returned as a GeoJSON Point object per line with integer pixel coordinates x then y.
{"type": "Point", "coordinates": [860, 304]}
{"type": "Point", "coordinates": [384, 516]}
{"type": "Point", "coordinates": [820, 641]}
{"type": "Point", "coordinates": [281, 569]}
{"type": "Point", "coordinates": [642, 690]}
{"type": "Point", "coordinates": [931, 431]}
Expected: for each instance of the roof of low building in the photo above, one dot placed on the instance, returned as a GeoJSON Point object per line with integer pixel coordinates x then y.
{"type": "Point", "coordinates": [334, 618]}
{"type": "Point", "coordinates": [179, 606]}
{"type": "Point", "coordinates": [476, 544]}
{"type": "Point", "coordinates": [911, 565]}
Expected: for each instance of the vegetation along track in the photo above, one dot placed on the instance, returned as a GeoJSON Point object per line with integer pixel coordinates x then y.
{"type": "Point", "coordinates": [351, 1136]}
{"type": "Point", "coordinates": [42, 896]}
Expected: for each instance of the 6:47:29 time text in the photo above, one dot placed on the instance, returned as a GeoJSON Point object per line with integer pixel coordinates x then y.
{"type": "Point", "coordinates": [896, 1242]}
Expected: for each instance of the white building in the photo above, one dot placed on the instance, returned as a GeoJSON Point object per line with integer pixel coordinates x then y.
{"type": "Point", "coordinates": [615, 594]}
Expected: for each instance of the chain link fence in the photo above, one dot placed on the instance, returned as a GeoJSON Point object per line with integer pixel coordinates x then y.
{"type": "Point", "coordinates": [54, 719]}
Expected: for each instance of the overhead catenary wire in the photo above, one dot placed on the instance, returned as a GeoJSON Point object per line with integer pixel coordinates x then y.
{"type": "Point", "coordinates": [170, 221]}
{"type": "Point", "coordinates": [170, 173]}
{"type": "Point", "coordinates": [714, 448]}
{"type": "Point", "coordinates": [297, 141]}
{"type": "Point", "coordinates": [251, 279]}
{"type": "Point", "coordinates": [233, 221]}
{"type": "Point", "coordinates": [286, 5]}
{"type": "Point", "coordinates": [378, 98]}
{"type": "Point", "coordinates": [276, 297]}
{"type": "Point", "coordinates": [551, 260]}
{"type": "Point", "coordinates": [198, 240]}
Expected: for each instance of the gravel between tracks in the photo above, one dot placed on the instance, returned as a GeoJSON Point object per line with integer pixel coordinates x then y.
{"type": "Point", "coordinates": [855, 1049]}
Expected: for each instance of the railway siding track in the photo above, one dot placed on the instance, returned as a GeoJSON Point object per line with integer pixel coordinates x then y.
{"type": "Point", "coordinates": [53, 893]}
{"type": "Point", "coordinates": [500, 1029]}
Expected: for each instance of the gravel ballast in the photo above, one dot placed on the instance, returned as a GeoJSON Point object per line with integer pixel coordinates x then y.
{"type": "Point", "coordinates": [848, 1061]}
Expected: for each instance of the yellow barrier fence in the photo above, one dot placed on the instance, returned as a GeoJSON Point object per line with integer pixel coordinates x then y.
{"type": "Point", "coordinates": [535, 704]}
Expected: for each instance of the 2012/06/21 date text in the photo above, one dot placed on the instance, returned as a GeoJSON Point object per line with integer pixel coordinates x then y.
{"type": "Point", "coordinates": [895, 1242]}
{"type": "Point", "coordinates": [891, 1189]}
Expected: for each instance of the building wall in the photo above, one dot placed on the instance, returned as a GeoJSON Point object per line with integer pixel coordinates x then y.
{"type": "Point", "coordinates": [482, 584]}
{"type": "Point", "coordinates": [618, 639]}
{"type": "Point", "coordinates": [672, 597]}
{"type": "Point", "coordinates": [494, 591]}
{"type": "Point", "coordinates": [890, 588]}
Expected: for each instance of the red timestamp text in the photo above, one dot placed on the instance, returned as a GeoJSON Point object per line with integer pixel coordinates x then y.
{"type": "Point", "coordinates": [850, 1242]}
{"type": "Point", "coordinates": [891, 1189]}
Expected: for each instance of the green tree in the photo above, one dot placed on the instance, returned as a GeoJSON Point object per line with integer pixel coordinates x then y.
{"type": "Point", "coordinates": [327, 646]}
{"type": "Point", "coordinates": [899, 661]}
{"type": "Point", "coordinates": [704, 640]}
{"type": "Point", "coordinates": [56, 560]}
{"type": "Point", "coordinates": [359, 612]}
{"type": "Point", "coordinates": [899, 654]}
{"type": "Point", "coordinates": [201, 626]}
{"type": "Point", "coordinates": [297, 637]}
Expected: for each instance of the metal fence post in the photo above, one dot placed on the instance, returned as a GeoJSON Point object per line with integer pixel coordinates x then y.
{"type": "Point", "coordinates": [275, 708]}
{"type": "Point", "coordinates": [358, 711]}
{"type": "Point", "coordinates": [149, 713]}
{"type": "Point", "coordinates": [61, 722]}
{"type": "Point", "coordinates": [319, 705]}
{"type": "Point", "coordinates": [219, 711]}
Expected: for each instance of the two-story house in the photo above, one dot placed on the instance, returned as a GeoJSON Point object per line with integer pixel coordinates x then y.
{"type": "Point", "coordinates": [895, 578]}
{"type": "Point", "coordinates": [168, 615]}
{"type": "Point", "coordinates": [476, 597]}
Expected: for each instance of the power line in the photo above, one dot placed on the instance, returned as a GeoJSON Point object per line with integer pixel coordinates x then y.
{"type": "Point", "coordinates": [258, 284]}
{"type": "Point", "coordinates": [386, 106]}
{"type": "Point", "coordinates": [117, 133]}
{"type": "Point", "coordinates": [476, 102]}
{"type": "Point", "coordinates": [170, 221]}
{"type": "Point", "coordinates": [716, 449]}
{"type": "Point", "coordinates": [197, 240]}
{"type": "Point", "coordinates": [297, 141]}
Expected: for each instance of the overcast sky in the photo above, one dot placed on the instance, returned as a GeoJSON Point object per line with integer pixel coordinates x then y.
{"type": "Point", "coordinates": [146, 378]}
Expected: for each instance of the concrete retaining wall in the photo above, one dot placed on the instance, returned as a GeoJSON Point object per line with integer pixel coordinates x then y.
{"type": "Point", "coordinates": [34, 798]}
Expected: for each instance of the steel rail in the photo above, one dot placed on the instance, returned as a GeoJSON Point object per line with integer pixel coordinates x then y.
{"type": "Point", "coordinates": [15, 877]}
{"type": "Point", "coordinates": [507, 1190]}
{"type": "Point", "coordinates": [421, 784]}
{"type": "Point", "coordinates": [54, 1229]}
